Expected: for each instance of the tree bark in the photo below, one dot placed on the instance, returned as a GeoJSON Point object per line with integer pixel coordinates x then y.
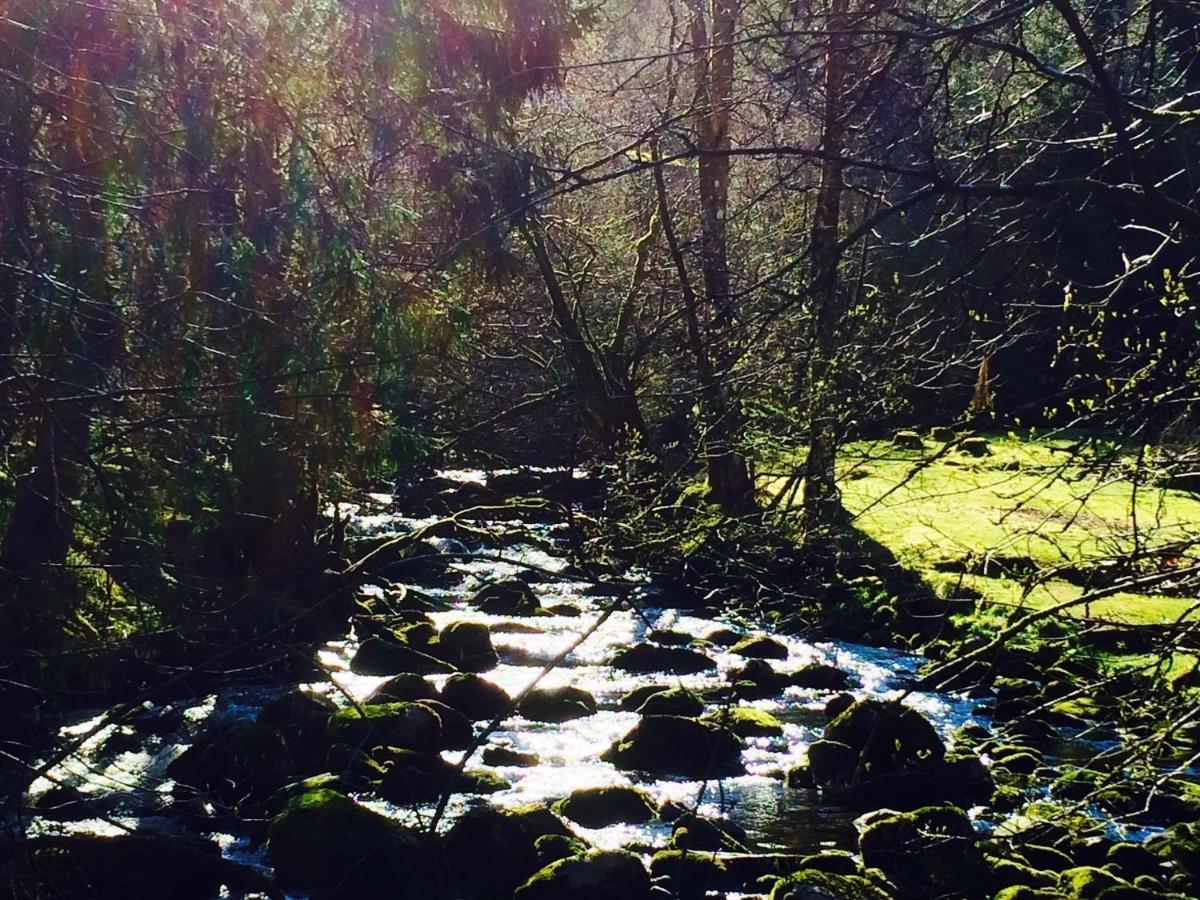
{"type": "Point", "coordinates": [822, 500]}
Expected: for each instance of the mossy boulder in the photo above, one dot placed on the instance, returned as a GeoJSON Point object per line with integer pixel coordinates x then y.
{"type": "Point", "coordinates": [403, 688]}
{"type": "Point", "coordinates": [600, 807]}
{"type": "Point", "coordinates": [674, 745]}
{"type": "Point", "coordinates": [821, 677]}
{"type": "Point", "coordinates": [689, 874]}
{"type": "Point", "coordinates": [1025, 892]}
{"type": "Point", "coordinates": [886, 736]}
{"type": "Point", "coordinates": [499, 755]}
{"type": "Point", "coordinates": [121, 867]}
{"type": "Point", "coordinates": [325, 843]}
{"type": "Point", "coordinates": [247, 760]}
{"type": "Point", "coordinates": [633, 700]}
{"type": "Point", "coordinates": [387, 656]}
{"type": "Point", "coordinates": [646, 658]}
{"type": "Point", "coordinates": [508, 597]}
{"type": "Point", "coordinates": [1132, 859]}
{"type": "Point", "coordinates": [560, 704]}
{"type": "Point", "coordinates": [301, 717]}
{"type": "Point", "coordinates": [835, 862]}
{"type": "Point", "coordinates": [931, 851]}
{"type": "Point", "coordinates": [457, 733]}
{"type": "Point", "coordinates": [489, 854]}
{"type": "Point", "coordinates": [600, 875]}
{"type": "Point", "coordinates": [553, 847]}
{"type": "Point", "coordinates": [424, 777]}
{"type": "Point", "coordinates": [746, 722]}
{"type": "Point", "coordinates": [672, 702]}
{"type": "Point", "coordinates": [1087, 882]}
{"type": "Point", "coordinates": [474, 697]}
{"type": "Point", "coordinates": [812, 884]}
{"type": "Point", "coordinates": [408, 725]}
{"type": "Point", "coordinates": [760, 647]}
{"type": "Point", "coordinates": [693, 832]}
{"type": "Point", "coordinates": [467, 646]}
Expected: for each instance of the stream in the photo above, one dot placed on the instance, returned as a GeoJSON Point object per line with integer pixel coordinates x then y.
{"type": "Point", "coordinates": [122, 769]}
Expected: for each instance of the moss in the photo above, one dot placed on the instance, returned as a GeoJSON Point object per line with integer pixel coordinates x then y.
{"type": "Point", "coordinates": [815, 885]}
{"type": "Point", "coordinates": [407, 725]}
{"type": "Point", "coordinates": [933, 517]}
{"type": "Point", "coordinates": [1086, 882]}
{"type": "Point", "coordinates": [553, 847]}
{"type": "Point", "coordinates": [602, 875]}
{"type": "Point", "coordinates": [746, 721]}
{"type": "Point", "coordinates": [325, 841]}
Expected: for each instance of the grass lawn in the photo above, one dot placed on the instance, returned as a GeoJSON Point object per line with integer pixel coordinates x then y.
{"type": "Point", "coordinates": [987, 524]}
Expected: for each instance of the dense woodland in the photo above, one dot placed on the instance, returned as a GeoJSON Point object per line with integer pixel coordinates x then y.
{"type": "Point", "coordinates": [866, 321]}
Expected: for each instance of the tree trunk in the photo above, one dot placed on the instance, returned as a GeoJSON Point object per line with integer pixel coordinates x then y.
{"type": "Point", "coordinates": [609, 407]}
{"type": "Point", "coordinates": [730, 481]}
{"type": "Point", "coordinates": [822, 501]}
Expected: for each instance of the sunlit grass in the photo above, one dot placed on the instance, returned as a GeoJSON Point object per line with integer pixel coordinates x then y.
{"type": "Point", "coordinates": [1031, 506]}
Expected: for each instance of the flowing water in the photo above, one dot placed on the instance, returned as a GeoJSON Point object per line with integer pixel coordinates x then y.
{"type": "Point", "coordinates": [122, 769]}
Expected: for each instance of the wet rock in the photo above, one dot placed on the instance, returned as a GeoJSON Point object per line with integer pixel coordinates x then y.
{"type": "Point", "coordinates": [245, 760]}
{"type": "Point", "coordinates": [62, 803]}
{"type": "Point", "coordinates": [838, 704]}
{"type": "Point", "coordinates": [693, 832]}
{"type": "Point", "coordinates": [457, 733]}
{"type": "Point", "coordinates": [475, 697]}
{"type": "Point", "coordinates": [509, 597]}
{"type": "Point", "coordinates": [601, 875]}
{"type": "Point", "coordinates": [403, 688]}
{"type": "Point", "coordinates": [560, 704]}
{"type": "Point", "coordinates": [301, 717]}
{"type": "Point", "coordinates": [507, 756]}
{"type": "Point", "coordinates": [553, 847]}
{"type": "Point", "coordinates": [600, 807]}
{"type": "Point", "coordinates": [884, 738]}
{"type": "Point", "coordinates": [412, 777]}
{"type": "Point", "coordinates": [672, 702]}
{"type": "Point", "coordinates": [812, 884]}
{"type": "Point", "coordinates": [516, 628]}
{"type": "Point", "coordinates": [645, 658]}
{"type": "Point", "coordinates": [467, 646]}
{"type": "Point", "coordinates": [418, 635]}
{"type": "Point", "coordinates": [760, 647]}
{"type": "Point", "coordinates": [670, 638]}
{"type": "Point", "coordinates": [124, 867]}
{"type": "Point", "coordinates": [689, 875]}
{"type": "Point", "coordinates": [931, 851]}
{"type": "Point", "coordinates": [673, 745]}
{"type": "Point", "coordinates": [407, 725]}
{"type": "Point", "coordinates": [819, 676]}
{"type": "Point", "coordinates": [746, 722]}
{"type": "Point", "coordinates": [800, 778]}
{"type": "Point", "coordinates": [386, 656]}
{"type": "Point", "coordinates": [758, 680]}
{"type": "Point", "coordinates": [489, 854]}
{"type": "Point", "coordinates": [326, 843]}
{"type": "Point", "coordinates": [538, 819]}
{"type": "Point", "coordinates": [723, 637]}
{"type": "Point", "coordinates": [633, 700]}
